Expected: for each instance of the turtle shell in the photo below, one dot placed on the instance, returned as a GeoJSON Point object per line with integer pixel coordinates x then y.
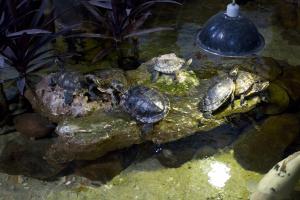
{"type": "Point", "coordinates": [168, 63]}
{"type": "Point", "coordinates": [217, 95]}
{"type": "Point", "coordinates": [244, 82]}
{"type": "Point", "coordinates": [70, 81]}
{"type": "Point", "coordinates": [145, 105]}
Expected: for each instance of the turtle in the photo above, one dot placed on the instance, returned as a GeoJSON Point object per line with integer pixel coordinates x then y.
{"type": "Point", "coordinates": [70, 82]}
{"type": "Point", "coordinates": [168, 64]}
{"type": "Point", "coordinates": [146, 105]}
{"type": "Point", "coordinates": [236, 84]}
{"type": "Point", "coordinates": [217, 95]}
{"type": "Point", "coordinates": [247, 84]}
{"type": "Point", "coordinates": [114, 88]}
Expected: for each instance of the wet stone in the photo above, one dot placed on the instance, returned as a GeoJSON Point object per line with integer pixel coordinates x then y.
{"type": "Point", "coordinates": [33, 125]}
{"type": "Point", "coordinates": [93, 136]}
{"type": "Point", "coordinates": [20, 156]}
{"type": "Point", "coordinates": [102, 169]}
{"type": "Point", "coordinates": [262, 146]}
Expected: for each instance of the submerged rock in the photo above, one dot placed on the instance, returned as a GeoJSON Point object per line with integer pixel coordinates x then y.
{"type": "Point", "coordinates": [215, 177]}
{"type": "Point", "coordinates": [33, 125]}
{"type": "Point", "coordinates": [261, 147]}
{"type": "Point", "coordinates": [20, 156]}
{"type": "Point", "coordinates": [102, 169]}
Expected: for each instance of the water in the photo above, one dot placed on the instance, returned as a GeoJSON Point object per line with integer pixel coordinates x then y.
{"type": "Point", "coordinates": [222, 163]}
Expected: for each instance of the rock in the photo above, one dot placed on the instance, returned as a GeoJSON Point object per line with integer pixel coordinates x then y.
{"type": "Point", "coordinates": [290, 81]}
{"type": "Point", "coordinates": [187, 80]}
{"type": "Point", "coordinates": [92, 136]}
{"type": "Point", "coordinates": [260, 149]}
{"type": "Point", "coordinates": [287, 15]}
{"type": "Point", "coordinates": [20, 156]}
{"type": "Point", "coordinates": [33, 125]}
{"type": "Point", "coordinates": [49, 102]}
{"type": "Point", "coordinates": [269, 69]}
{"type": "Point", "coordinates": [102, 169]}
{"type": "Point", "coordinates": [216, 177]}
{"type": "Point", "coordinates": [278, 100]}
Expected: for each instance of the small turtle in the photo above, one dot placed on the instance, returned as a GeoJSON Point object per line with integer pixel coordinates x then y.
{"type": "Point", "coordinates": [71, 82]}
{"type": "Point", "coordinates": [146, 105]}
{"type": "Point", "coordinates": [247, 84]}
{"type": "Point", "coordinates": [112, 87]}
{"type": "Point", "coordinates": [168, 64]}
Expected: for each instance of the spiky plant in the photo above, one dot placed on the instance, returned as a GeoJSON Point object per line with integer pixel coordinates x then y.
{"type": "Point", "coordinates": [119, 21]}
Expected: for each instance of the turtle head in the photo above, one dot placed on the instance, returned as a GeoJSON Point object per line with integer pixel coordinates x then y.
{"type": "Point", "coordinates": [189, 62]}
{"type": "Point", "coordinates": [234, 72]}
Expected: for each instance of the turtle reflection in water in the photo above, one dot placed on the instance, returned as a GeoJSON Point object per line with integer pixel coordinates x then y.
{"type": "Point", "coordinates": [146, 105]}
{"type": "Point", "coordinates": [168, 64]}
{"type": "Point", "coordinates": [236, 84]}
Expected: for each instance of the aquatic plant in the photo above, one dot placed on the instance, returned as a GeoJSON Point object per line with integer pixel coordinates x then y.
{"type": "Point", "coordinates": [119, 21]}
{"type": "Point", "coordinates": [26, 32]}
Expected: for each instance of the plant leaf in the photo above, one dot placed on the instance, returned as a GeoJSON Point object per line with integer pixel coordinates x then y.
{"type": "Point", "coordinates": [101, 3]}
{"type": "Point", "coordinates": [147, 31]}
{"type": "Point", "coordinates": [21, 85]}
{"type": "Point", "coordinates": [29, 32]}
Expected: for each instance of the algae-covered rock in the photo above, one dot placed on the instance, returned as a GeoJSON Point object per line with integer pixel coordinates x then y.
{"type": "Point", "coordinates": [187, 80]}
{"type": "Point", "coordinates": [278, 100]}
{"type": "Point", "coordinates": [263, 146]}
{"type": "Point", "coordinates": [93, 136]}
{"type": "Point", "coordinates": [219, 177]}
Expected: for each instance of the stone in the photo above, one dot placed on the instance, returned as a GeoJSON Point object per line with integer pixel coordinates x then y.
{"type": "Point", "coordinates": [20, 156]}
{"type": "Point", "coordinates": [290, 81]}
{"type": "Point", "coordinates": [102, 169]}
{"type": "Point", "coordinates": [260, 147]}
{"type": "Point", "coordinates": [278, 100]}
{"type": "Point", "coordinates": [50, 102]}
{"type": "Point", "coordinates": [215, 177]}
{"type": "Point", "coordinates": [187, 80]}
{"type": "Point", "coordinates": [92, 136]}
{"type": "Point", "coordinates": [33, 125]}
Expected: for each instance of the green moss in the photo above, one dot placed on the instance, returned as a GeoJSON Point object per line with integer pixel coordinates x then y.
{"type": "Point", "coordinates": [150, 180]}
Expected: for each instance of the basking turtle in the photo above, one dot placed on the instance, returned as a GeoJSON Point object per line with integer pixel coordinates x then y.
{"type": "Point", "coordinates": [237, 83]}
{"type": "Point", "coordinates": [247, 84]}
{"type": "Point", "coordinates": [113, 88]}
{"type": "Point", "coordinates": [217, 95]}
{"type": "Point", "coordinates": [168, 64]}
{"type": "Point", "coordinates": [146, 105]}
{"type": "Point", "coordinates": [71, 82]}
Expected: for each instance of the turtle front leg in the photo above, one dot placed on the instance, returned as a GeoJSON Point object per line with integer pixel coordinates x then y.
{"type": "Point", "coordinates": [147, 128]}
{"type": "Point", "coordinates": [232, 100]}
{"type": "Point", "coordinates": [155, 75]}
{"type": "Point", "coordinates": [242, 100]}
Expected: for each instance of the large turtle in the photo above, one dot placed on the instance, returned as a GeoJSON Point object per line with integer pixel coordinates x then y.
{"type": "Point", "coordinates": [168, 64]}
{"type": "Point", "coordinates": [146, 105]}
{"type": "Point", "coordinates": [237, 83]}
{"type": "Point", "coordinates": [70, 82]}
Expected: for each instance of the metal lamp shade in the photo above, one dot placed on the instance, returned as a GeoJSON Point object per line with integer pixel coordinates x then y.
{"type": "Point", "coordinates": [230, 36]}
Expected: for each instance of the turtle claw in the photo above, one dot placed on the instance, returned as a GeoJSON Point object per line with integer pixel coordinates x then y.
{"type": "Point", "coordinates": [207, 115]}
